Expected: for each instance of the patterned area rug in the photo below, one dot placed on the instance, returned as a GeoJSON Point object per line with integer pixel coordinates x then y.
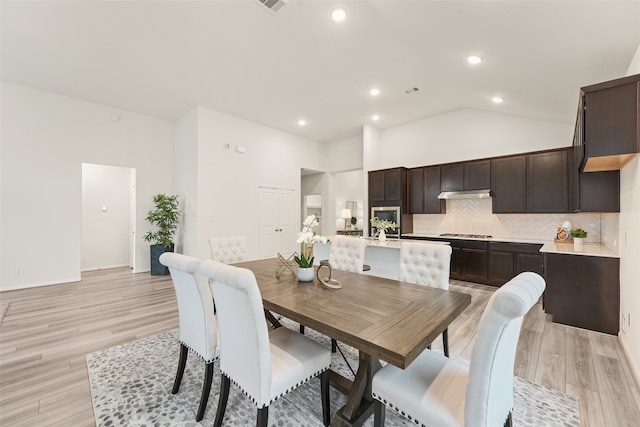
{"type": "Point", "coordinates": [131, 386]}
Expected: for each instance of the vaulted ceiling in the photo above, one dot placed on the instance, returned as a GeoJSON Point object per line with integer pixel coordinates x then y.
{"type": "Point", "coordinates": [162, 58]}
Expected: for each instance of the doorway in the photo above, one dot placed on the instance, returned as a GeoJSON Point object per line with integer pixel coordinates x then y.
{"type": "Point", "coordinates": [108, 217]}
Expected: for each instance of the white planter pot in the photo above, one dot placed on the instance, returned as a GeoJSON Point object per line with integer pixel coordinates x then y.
{"type": "Point", "coordinates": [578, 240]}
{"type": "Point", "coordinates": [382, 236]}
{"type": "Point", "coordinates": [305, 274]}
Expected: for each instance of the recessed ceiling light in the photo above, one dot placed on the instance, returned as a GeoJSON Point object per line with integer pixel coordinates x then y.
{"type": "Point", "coordinates": [497, 100]}
{"type": "Point", "coordinates": [473, 59]}
{"type": "Point", "coordinates": [302, 122]}
{"type": "Point", "coordinates": [375, 117]}
{"type": "Point", "coordinates": [374, 92]}
{"type": "Point", "coordinates": [115, 117]}
{"type": "Point", "coordinates": [338, 14]}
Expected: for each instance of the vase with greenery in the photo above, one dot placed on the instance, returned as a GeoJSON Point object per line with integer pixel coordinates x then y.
{"type": "Point", "coordinates": [165, 218]}
{"type": "Point", "coordinates": [380, 226]}
{"type": "Point", "coordinates": [578, 235]}
{"type": "Point", "coordinates": [307, 238]}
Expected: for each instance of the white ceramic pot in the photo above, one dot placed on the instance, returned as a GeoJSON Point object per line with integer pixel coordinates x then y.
{"type": "Point", "coordinates": [578, 240]}
{"type": "Point", "coordinates": [305, 274]}
{"type": "Point", "coordinates": [382, 236]}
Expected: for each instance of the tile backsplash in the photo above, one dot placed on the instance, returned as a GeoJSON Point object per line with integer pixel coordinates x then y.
{"type": "Point", "coordinates": [474, 216]}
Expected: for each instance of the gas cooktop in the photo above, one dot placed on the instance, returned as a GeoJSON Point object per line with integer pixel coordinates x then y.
{"type": "Point", "coordinates": [471, 236]}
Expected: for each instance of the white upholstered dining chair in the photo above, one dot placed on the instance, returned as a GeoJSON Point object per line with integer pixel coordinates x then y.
{"type": "Point", "coordinates": [347, 253]}
{"type": "Point", "coordinates": [437, 391]}
{"type": "Point", "coordinates": [198, 326]}
{"type": "Point", "coordinates": [228, 250]}
{"type": "Point", "coordinates": [265, 363]}
{"type": "Point", "coordinates": [426, 264]}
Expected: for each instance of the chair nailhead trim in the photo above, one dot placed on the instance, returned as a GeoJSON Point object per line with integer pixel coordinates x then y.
{"type": "Point", "coordinates": [395, 408]}
{"type": "Point", "coordinates": [277, 397]}
{"type": "Point", "coordinates": [196, 353]}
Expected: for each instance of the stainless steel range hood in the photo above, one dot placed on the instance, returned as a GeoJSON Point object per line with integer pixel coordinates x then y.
{"type": "Point", "coordinates": [468, 194]}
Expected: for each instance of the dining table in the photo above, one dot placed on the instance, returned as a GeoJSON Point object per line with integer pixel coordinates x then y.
{"type": "Point", "coordinates": [383, 319]}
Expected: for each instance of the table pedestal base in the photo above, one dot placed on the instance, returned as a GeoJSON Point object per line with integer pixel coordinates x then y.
{"type": "Point", "coordinates": [360, 403]}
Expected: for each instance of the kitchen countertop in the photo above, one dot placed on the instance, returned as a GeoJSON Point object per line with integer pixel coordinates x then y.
{"type": "Point", "coordinates": [548, 246]}
{"type": "Point", "coordinates": [392, 243]}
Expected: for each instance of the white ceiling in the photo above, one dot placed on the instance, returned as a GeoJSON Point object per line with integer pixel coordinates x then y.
{"type": "Point", "coordinates": [162, 58]}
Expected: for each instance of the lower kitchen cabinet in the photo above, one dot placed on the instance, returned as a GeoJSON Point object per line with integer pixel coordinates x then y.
{"type": "Point", "coordinates": [583, 291]}
{"type": "Point", "coordinates": [469, 260]}
{"type": "Point", "coordinates": [507, 260]}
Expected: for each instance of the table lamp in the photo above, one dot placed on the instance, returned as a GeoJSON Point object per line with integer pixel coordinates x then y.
{"type": "Point", "coordinates": [346, 215]}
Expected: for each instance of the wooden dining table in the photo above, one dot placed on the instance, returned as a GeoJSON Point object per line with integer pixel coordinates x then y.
{"type": "Point", "coordinates": [384, 319]}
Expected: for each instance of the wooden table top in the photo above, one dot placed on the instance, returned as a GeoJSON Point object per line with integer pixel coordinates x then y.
{"type": "Point", "coordinates": [391, 320]}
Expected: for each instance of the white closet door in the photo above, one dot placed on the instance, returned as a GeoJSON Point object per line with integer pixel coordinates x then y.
{"type": "Point", "coordinates": [288, 221]}
{"type": "Point", "coordinates": [268, 239]}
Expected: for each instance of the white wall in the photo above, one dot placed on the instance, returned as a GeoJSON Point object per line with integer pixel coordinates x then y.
{"type": "Point", "coordinates": [45, 138]}
{"type": "Point", "coordinates": [185, 164]}
{"type": "Point", "coordinates": [630, 247]}
{"type": "Point", "coordinates": [319, 184]}
{"type": "Point", "coordinates": [344, 155]}
{"type": "Point", "coordinates": [468, 134]}
{"type": "Point", "coordinates": [228, 180]}
{"type": "Point", "coordinates": [347, 186]}
{"type": "Point", "coordinates": [105, 233]}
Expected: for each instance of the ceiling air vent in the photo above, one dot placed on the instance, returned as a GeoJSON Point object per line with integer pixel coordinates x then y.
{"type": "Point", "coordinates": [411, 90]}
{"type": "Point", "coordinates": [272, 5]}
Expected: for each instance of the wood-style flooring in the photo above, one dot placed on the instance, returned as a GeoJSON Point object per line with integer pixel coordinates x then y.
{"type": "Point", "coordinates": [47, 331]}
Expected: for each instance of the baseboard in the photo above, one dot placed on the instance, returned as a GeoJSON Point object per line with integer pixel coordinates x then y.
{"type": "Point", "coordinates": [35, 285]}
{"type": "Point", "coordinates": [104, 267]}
{"type": "Point", "coordinates": [632, 364]}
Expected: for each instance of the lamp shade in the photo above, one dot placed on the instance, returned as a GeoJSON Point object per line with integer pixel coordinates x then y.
{"type": "Point", "coordinates": [345, 213]}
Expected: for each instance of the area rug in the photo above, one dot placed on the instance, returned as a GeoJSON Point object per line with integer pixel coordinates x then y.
{"type": "Point", "coordinates": [131, 386]}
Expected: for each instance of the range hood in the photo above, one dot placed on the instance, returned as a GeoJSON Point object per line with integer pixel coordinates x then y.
{"type": "Point", "coordinates": [468, 194]}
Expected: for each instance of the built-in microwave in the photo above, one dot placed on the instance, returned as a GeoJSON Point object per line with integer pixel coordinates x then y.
{"type": "Point", "coordinates": [388, 213]}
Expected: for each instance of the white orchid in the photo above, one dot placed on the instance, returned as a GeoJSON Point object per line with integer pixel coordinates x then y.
{"type": "Point", "coordinates": [308, 237]}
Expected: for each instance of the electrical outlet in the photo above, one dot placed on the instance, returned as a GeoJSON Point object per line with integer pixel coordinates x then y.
{"type": "Point", "coordinates": [14, 272]}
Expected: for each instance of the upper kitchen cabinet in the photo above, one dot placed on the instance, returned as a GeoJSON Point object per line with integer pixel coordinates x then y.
{"type": "Point", "coordinates": [474, 175]}
{"type": "Point", "coordinates": [509, 184]}
{"type": "Point", "coordinates": [424, 187]}
{"type": "Point", "coordinates": [533, 183]}
{"type": "Point", "coordinates": [548, 182]}
{"type": "Point", "coordinates": [610, 114]}
{"type": "Point", "coordinates": [592, 191]}
{"type": "Point", "coordinates": [388, 187]}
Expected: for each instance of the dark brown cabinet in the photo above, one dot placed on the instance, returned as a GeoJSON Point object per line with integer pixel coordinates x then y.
{"type": "Point", "coordinates": [477, 175]}
{"type": "Point", "coordinates": [507, 260]}
{"type": "Point", "coordinates": [509, 184]}
{"type": "Point", "coordinates": [424, 187]}
{"type": "Point", "coordinates": [388, 187]}
{"type": "Point", "coordinates": [468, 260]}
{"type": "Point", "coordinates": [548, 182]}
{"type": "Point", "coordinates": [611, 120]}
{"type": "Point", "coordinates": [453, 177]}
{"type": "Point", "coordinates": [583, 291]}
{"type": "Point", "coordinates": [474, 175]}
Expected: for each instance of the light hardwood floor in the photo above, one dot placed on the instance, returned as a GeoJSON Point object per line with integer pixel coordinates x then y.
{"type": "Point", "coordinates": [47, 331]}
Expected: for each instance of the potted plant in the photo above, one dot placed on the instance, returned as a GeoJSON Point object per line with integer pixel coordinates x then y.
{"type": "Point", "coordinates": [578, 235]}
{"type": "Point", "coordinates": [165, 217]}
{"type": "Point", "coordinates": [381, 225]}
{"type": "Point", "coordinates": [307, 237]}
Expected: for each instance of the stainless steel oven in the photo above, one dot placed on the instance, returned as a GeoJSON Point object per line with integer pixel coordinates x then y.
{"type": "Point", "coordinates": [388, 213]}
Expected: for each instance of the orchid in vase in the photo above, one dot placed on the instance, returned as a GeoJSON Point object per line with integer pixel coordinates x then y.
{"type": "Point", "coordinates": [307, 237]}
{"type": "Point", "coordinates": [380, 225]}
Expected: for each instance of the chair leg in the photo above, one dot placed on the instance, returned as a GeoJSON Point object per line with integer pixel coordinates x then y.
{"type": "Point", "coordinates": [326, 402]}
{"type": "Point", "coordinates": [445, 341]}
{"type": "Point", "coordinates": [508, 422]}
{"type": "Point", "coordinates": [302, 329]}
{"type": "Point", "coordinates": [263, 417]}
{"type": "Point", "coordinates": [206, 389]}
{"type": "Point", "coordinates": [182, 362]}
{"type": "Point", "coordinates": [225, 385]}
{"type": "Point", "coordinates": [379, 414]}
{"type": "Point", "coordinates": [334, 345]}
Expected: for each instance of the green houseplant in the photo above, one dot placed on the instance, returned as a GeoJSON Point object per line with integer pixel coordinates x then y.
{"type": "Point", "coordinates": [165, 218]}
{"type": "Point", "coordinates": [578, 235]}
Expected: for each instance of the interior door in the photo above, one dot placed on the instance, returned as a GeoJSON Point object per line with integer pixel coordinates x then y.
{"type": "Point", "coordinates": [267, 222]}
{"type": "Point", "coordinates": [287, 221]}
